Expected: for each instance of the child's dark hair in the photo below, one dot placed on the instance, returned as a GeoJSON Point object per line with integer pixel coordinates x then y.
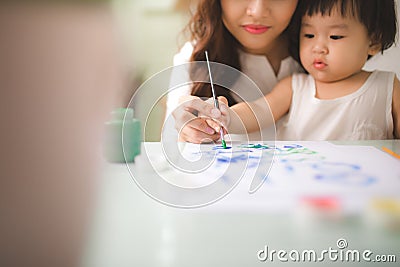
{"type": "Point", "coordinates": [378, 16]}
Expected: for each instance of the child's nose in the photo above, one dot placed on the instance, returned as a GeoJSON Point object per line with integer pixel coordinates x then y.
{"type": "Point", "coordinates": [320, 47]}
{"type": "Point", "coordinates": [257, 8]}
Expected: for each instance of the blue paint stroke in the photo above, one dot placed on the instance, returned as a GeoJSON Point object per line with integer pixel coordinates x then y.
{"type": "Point", "coordinates": [343, 173]}
{"type": "Point", "coordinates": [361, 179]}
{"type": "Point", "coordinates": [224, 159]}
{"type": "Point", "coordinates": [333, 166]}
{"type": "Point", "coordinates": [221, 152]}
{"type": "Point", "coordinates": [252, 164]}
{"type": "Point", "coordinates": [221, 147]}
{"type": "Point", "coordinates": [293, 146]}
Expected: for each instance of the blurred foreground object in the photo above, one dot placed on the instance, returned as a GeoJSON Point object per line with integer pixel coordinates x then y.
{"type": "Point", "coordinates": [123, 136]}
{"type": "Point", "coordinates": [58, 78]}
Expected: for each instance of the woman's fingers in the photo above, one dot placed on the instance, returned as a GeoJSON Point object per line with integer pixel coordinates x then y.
{"type": "Point", "coordinates": [217, 115]}
{"type": "Point", "coordinates": [193, 137]}
{"type": "Point", "coordinates": [191, 133]}
{"type": "Point", "coordinates": [223, 100]}
{"type": "Point", "coordinates": [200, 124]}
{"type": "Point", "coordinates": [213, 124]}
{"type": "Point", "coordinates": [196, 129]}
{"type": "Point", "coordinates": [184, 113]}
{"type": "Point", "coordinates": [196, 105]}
{"type": "Point", "coordinates": [193, 129]}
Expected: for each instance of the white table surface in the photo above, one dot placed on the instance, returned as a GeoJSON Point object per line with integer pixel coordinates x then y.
{"type": "Point", "coordinates": [131, 229]}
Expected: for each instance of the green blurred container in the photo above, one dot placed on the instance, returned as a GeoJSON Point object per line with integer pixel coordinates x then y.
{"type": "Point", "coordinates": [123, 136]}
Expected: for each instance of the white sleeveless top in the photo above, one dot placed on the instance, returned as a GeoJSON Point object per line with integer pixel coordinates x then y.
{"type": "Point", "coordinates": [365, 114]}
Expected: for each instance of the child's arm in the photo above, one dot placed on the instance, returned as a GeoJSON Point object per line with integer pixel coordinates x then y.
{"type": "Point", "coordinates": [248, 117]}
{"type": "Point", "coordinates": [396, 107]}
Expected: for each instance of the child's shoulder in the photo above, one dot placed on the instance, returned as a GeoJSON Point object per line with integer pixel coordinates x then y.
{"type": "Point", "coordinates": [301, 79]}
{"type": "Point", "coordinates": [383, 76]}
{"type": "Point", "coordinates": [383, 72]}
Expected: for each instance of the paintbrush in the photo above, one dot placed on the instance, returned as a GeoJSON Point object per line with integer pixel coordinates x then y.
{"type": "Point", "coordinates": [216, 104]}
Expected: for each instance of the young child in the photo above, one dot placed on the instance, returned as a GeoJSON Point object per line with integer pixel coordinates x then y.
{"type": "Point", "coordinates": [337, 100]}
{"type": "Point", "coordinates": [249, 36]}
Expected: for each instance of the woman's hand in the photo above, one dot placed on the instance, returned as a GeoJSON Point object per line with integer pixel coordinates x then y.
{"type": "Point", "coordinates": [197, 129]}
{"type": "Point", "coordinates": [222, 120]}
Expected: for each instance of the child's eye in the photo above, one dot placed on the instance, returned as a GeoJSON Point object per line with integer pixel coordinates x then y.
{"type": "Point", "coordinates": [336, 37]}
{"type": "Point", "coordinates": [308, 35]}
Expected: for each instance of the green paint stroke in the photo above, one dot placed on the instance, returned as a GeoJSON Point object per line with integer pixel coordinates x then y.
{"type": "Point", "coordinates": [296, 150]}
{"type": "Point", "coordinates": [259, 146]}
{"type": "Point", "coordinates": [223, 143]}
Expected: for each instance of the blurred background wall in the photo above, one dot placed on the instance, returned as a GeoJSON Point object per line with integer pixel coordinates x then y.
{"type": "Point", "coordinates": [151, 34]}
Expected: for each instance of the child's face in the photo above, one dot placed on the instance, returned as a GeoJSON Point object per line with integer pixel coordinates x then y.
{"type": "Point", "coordinates": [257, 24]}
{"type": "Point", "coordinates": [333, 48]}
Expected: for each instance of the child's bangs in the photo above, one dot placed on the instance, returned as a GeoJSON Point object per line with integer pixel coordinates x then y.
{"type": "Point", "coordinates": [326, 7]}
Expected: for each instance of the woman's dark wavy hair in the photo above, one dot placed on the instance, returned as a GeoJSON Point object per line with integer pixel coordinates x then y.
{"type": "Point", "coordinates": [378, 16]}
{"type": "Point", "coordinates": [209, 33]}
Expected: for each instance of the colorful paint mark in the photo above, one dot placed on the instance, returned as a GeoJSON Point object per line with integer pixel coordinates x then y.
{"type": "Point", "coordinates": [342, 173]}
{"type": "Point", "coordinates": [257, 146]}
{"type": "Point", "coordinates": [329, 172]}
{"type": "Point", "coordinates": [222, 147]}
{"type": "Point", "coordinates": [224, 144]}
{"type": "Point", "coordinates": [289, 150]}
{"type": "Point", "coordinates": [234, 159]}
{"type": "Point", "coordinates": [293, 158]}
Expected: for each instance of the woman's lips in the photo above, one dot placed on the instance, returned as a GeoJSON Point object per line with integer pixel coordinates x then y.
{"type": "Point", "coordinates": [255, 29]}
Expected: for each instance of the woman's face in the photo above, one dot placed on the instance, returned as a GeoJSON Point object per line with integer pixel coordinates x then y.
{"type": "Point", "coordinates": [257, 24]}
